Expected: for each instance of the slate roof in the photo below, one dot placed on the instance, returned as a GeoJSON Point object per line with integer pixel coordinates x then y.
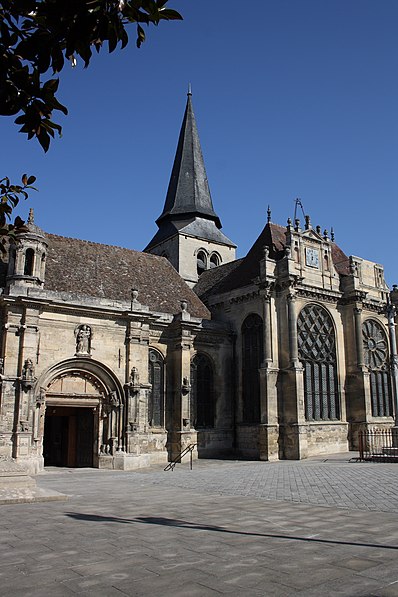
{"type": "Point", "coordinates": [210, 279]}
{"type": "Point", "coordinates": [196, 227]}
{"type": "Point", "coordinates": [273, 236]}
{"type": "Point", "coordinates": [104, 271]}
{"type": "Point", "coordinates": [188, 190]}
{"type": "Point", "coordinates": [188, 202]}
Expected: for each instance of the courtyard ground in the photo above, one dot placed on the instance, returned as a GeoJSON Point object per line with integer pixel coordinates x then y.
{"type": "Point", "coordinates": [325, 526]}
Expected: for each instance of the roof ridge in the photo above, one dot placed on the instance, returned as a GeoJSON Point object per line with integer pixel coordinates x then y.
{"type": "Point", "coordinates": [91, 242]}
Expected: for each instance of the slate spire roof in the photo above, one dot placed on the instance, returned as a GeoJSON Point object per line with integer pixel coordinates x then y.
{"type": "Point", "coordinates": [188, 191]}
{"type": "Point", "coordinates": [188, 201]}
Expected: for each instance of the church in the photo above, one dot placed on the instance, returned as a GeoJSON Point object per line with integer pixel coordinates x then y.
{"type": "Point", "coordinates": [120, 359]}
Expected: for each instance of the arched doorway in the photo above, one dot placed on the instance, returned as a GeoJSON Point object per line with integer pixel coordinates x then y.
{"type": "Point", "coordinates": [83, 414]}
{"type": "Point", "coordinates": [71, 416]}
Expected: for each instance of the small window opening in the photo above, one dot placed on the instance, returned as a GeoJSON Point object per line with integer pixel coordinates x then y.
{"type": "Point", "coordinates": [29, 260]}
{"type": "Point", "coordinates": [214, 261]}
{"type": "Point", "coordinates": [201, 263]}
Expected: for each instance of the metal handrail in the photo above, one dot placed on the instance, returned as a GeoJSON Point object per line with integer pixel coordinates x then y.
{"type": "Point", "coordinates": [177, 459]}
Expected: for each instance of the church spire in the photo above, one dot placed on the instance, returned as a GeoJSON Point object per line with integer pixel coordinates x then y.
{"type": "Point", "coordinates": [188, 194]}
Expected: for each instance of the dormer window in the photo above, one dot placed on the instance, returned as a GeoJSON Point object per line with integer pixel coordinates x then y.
{"type": "Point", "coordinates": [29, 262]}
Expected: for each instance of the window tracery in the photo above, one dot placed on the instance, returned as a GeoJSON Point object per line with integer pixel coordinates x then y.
{"type": "Point", "coordinates": [317, 352]}
{"type": "Point", "coordinates": [375, 349]}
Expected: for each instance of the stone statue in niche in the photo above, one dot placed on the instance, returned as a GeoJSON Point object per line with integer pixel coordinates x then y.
{"type": "Point", "coordinates": [28, 371]}
{"type": "Point", "coordinates": [28, 375]}
{"type": "Point", "coordinates": [186, 386]}
{"type": "Point", "coordinates": [24, 426]}
{"type": "Point", "coordinates": [113, 399]}
{"type": "Point", "coordinates": [83, 339]}
{"type": "Point", "coordinates": [134, 376]}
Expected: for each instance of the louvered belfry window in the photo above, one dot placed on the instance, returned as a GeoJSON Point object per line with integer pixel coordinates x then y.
{"type": "Point", "coordinates": [156, 394]}
{"type": "Point", "coordinates": [375, 348]}
{"type": "Point", "coordinates": [252, 358]}
{"type": "Point", "coordinates": [202, 392]}
{"type": "Point", "coordinates": [317, 352]}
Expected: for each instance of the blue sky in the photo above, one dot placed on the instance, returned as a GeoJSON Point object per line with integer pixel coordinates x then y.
{"type": "Point", "coordinates": [293, 98]}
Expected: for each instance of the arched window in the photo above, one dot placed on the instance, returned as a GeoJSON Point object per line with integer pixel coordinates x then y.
{"type": "Point", "coordinates": [214, 260]}
{"type": "Point", "coordinates": [156, 394]}
{"type": "Point", "coordinates": [202, 392]}
{"type": "Point", "coordinates": [29, 261]}
{"type": "Point", "coordinates": [317, 352]}
{"type": "Point", "coordinates": [252, 357]}
{"type": "Point", "coordinates": [375, 348]}
{"type": "Point", "coordinates": [201, 262]}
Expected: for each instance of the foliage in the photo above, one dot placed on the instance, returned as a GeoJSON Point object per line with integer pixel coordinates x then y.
{"type": "Point", "coordinates": [38, 36]}
{"type": "Point", "coordinates": [10, 196]}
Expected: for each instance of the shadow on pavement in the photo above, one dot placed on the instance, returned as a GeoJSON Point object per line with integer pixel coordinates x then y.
{"type": "Point", "coordinates": [172, 522]}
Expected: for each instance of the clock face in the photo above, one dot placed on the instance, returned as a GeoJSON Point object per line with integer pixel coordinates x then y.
{"type": "Point", "coordinates": [312, 257]}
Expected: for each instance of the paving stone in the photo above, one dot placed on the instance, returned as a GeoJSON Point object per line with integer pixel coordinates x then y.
{"type": "Point", "coordinates": [233, 528]}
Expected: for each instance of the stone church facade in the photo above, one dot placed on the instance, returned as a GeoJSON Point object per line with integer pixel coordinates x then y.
{"type": "Point", "coordinates": [120, 359]}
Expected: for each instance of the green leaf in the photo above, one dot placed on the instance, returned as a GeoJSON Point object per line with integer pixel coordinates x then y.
{"type": "Point", "coordinates": [170, 15]}
{"type": "Point", "coordinates": [140, 36]}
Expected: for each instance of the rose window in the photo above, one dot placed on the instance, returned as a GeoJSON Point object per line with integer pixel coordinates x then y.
{"type": "Point", "coordinates": [374, 344]}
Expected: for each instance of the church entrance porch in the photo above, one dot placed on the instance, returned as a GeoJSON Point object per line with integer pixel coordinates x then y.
{"type": "Point", "coordinates": [68, 436]}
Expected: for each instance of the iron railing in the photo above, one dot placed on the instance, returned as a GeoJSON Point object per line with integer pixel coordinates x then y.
{"type": "Point", "coordinates": [189, 449]}
{"type": "Point", "coordinates": [378, 445]}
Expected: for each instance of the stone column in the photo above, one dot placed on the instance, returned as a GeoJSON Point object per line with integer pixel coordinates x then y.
{"type": "Point", "coordinates": [358, 336]}
{"type": "Point", "coordinates": [295, 427]}
{"type": "Point", "coordinates": [292, 327]}
{"type": "Point", "coordinates": [269, 427]}
{"type": "Point", "coordinates": [394, 368]}
{"type": "Point", "coordinates": [267, 328]}
{"type": "Point", "coordinates": [180, 432]}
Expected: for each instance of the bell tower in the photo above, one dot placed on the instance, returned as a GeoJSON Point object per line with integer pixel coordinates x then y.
{"type": "Point", "coordinates": [27, 256]}
{"type": "Point", "coordinates": [189, 234]}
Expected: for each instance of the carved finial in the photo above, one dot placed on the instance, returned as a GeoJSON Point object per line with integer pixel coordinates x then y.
{"type": "Point", "coordinates": [318, 229]}
{"type": "Point", "coordinates": [184, 305]}
{"type": "Point", "coordinates": [308, 223]}
{"type": "Point", "coordinates": [31, 218]}
{"type": "Point", "coordinates": [332, 235]}
{"type": "Point", "coordinates": [134, 294]}
{"type": "Point", "coordinates": [189, 89]}
{"type": "Point", "coordinates": [268, 214]}
{"type": "Point", "coordinates": [326, 234]}
{"type": "Point", "coordinates": [297, 224]}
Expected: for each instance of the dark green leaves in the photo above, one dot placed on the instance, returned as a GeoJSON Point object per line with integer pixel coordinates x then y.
{"type": "Point", "coordinates": [10, 195]}
{"type": "Point", "coordinates": [36, 36]}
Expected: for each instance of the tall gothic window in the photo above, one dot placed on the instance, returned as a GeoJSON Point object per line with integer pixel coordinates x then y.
{"type": "Point", "coordinates": [156, 395]}
{"type": "Point", "coordinates": [202, 392]}
{"type": "Point", "coordinates": [252, 357]}
{"type": "Point", "coordinates": [375, 348]}
{"type": "Point", "coordinates": [317, 352]}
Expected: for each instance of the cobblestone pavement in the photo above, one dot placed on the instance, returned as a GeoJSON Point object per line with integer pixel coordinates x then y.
{"type": "Point", "coordinates": [225, 528]}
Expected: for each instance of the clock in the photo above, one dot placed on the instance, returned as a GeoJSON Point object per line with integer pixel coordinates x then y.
{"type": "Point", "coordinates": [312, 257]}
